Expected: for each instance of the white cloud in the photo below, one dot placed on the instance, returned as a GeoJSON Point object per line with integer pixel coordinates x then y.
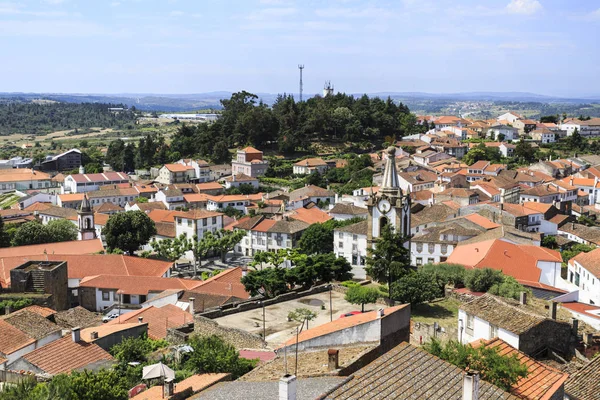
{"type": "Point", "coordinates": [176, 13]}
{"type": "Point", "coordinates": [345, 12]}
{"type": "Point", "coordinates": [524, 7]}
{"type": "Point", "coordinates": [115, 4]}
{"type": "Point", "coordinates": [54, 2]}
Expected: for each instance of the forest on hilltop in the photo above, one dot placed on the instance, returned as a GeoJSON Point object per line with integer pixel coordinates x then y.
{"type": "Point", "coordinates": [34, 118]}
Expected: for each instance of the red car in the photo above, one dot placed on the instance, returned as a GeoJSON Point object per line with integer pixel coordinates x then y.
{"type": "Point", "coordinates": [351, 313]}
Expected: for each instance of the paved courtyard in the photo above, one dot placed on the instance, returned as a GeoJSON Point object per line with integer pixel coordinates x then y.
{"type": "Point", "coordinates": [278, 329]}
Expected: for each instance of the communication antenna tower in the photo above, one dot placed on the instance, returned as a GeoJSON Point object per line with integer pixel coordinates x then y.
{"type": "Point", "coordinates": [300, 67]}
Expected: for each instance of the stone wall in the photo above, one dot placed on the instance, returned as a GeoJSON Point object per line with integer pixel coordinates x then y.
{"type": "Point", "coordinates": [87, 298]}
{"type": "Point", "coordinates": [421, 333]}
{"type": "Point", "coordinates": [553, 335]}
{"type": "Point", "coordinates": [235, 308]}
{"type": "Point", "coordinates": [236, 337]}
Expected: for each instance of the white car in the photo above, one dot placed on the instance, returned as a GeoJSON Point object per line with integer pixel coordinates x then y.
{"type": "Point", "coordinates": [110, 317]}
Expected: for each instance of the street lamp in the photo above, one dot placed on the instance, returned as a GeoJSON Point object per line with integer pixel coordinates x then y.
{"type": "Point", "coordinates": [120, 293]}
{"type": "Point", "coordinates": [330, 307]}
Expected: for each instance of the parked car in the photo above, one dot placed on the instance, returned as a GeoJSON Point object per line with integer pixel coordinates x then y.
{"type": "Point", "coordinates": [351, 313]}
{"type": "Point", "coordinates": [110, 317]}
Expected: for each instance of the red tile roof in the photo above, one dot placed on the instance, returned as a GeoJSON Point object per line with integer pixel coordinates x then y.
{"type": "Point", "coordinates": [251, 149]}
{"type": "Point", "coordinates": [196, 382]}
{"type": "Point", "coordinates": [542, 381]}
{"type": "Point", "coordinates": [518, 261]}
{"type": "Point", "coordinates": [342, 323]}
{"type": "Point", "coordinates": [227, 283]}
{"type": "Point", "coordinates": [157, 318]}
{"type": "Point", "coordinates": [177, 167]}
{"type": "Point", "coordinates": [482, 221]}
{"type": "Point", "coordinates": [589, 261]}
{"type": "Point", "coordinates": [583, 308]}
{"type": "Point", "coordinates": [141, 285]}
{"type": "Point", "coordinates": [43, 311]}
{"type": "Point", "coordinates": [80, 266]}
{"type": "Point", "coordinates": [64, 355]}
{"type": "Point", "coordinates": [310, 215]}
{"type": "Point", "coordinates": [12, 339]}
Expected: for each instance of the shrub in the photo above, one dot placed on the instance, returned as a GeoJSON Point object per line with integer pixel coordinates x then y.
{"type": "Point", "coordinates": [482, 279]}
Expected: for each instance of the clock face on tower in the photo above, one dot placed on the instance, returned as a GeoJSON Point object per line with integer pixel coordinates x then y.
{"type": "Point", "coordinates": [384, 206]}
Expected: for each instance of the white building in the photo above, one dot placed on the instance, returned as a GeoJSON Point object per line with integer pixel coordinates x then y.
{"type": "Point", "coordinates": [264, 234]}
{"type": "Point", "coordinates": [310, 165]}
{"type": "Point", "coordinates": [509, 116]}
{"type": "Point", "coordinates": [79, 183]}
{"type": "Point", "coordinates": [175, 173]}
{"type": "Point", "coordinates": [350, 242]}
{"type": "Point", "coordinates": [236, 180]}
{"type": "Point", "coordinates": [249, 161]}
{"type": "Point", "coordinates": [172, 198]}
{"type": "Point", "coordinates": [584, 275]}
{"type": "Point", "coordinates": [23, 179]}
{"type": "Point", "coordinates": [509, 132]}
{"type": "Point", "coordinates": [435, 244]}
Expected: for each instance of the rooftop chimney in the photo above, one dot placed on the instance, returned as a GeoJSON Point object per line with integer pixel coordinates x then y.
{"type": "Point", "coordinates": [523, 298]}
{"type": "Point", "coordinates": [191, 308]}
{"type": "Point", "coordinates": [7, 310]}
{"type": "Point", "coordinates": [588, 338]}
{"type": "Point", "coordinates": [75, 334]}
{"type": "Point", "coordinates": [141, 320]}
{"type": "Point", "coordinates": [287, 387]}
{"type": "Point", "coordinates": [93, 335]}
{"type": "Point", "coordinates": [333, 359]}
{"type": "Point", "coordinates": [575, 325]}
{"type": "Point", "coordinates": [553, 310]}
{"type": "Point", "coordinates": [168, 388]}
{"type": "Point", "coordinates": [471, 385]}
{"type": "Point", "coordinates": [380, 313]}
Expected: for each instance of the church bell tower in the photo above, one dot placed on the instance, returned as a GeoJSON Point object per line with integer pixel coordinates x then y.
{"type": "Point", "coordinates": [85, 220]}
{"type": "Point", "coordinates": [389, 206]}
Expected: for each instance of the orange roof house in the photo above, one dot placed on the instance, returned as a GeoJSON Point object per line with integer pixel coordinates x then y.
{"type": "Point", "coordinates": [542, 381]}
{"type": "Point", "coordinates": [525, 263]}
{"type": "Point", "coordinates": [369, 327]}
{"type": "Point", "coordinates": [159, 319]}
{"type": "Point", "coordinates": [63, 356]}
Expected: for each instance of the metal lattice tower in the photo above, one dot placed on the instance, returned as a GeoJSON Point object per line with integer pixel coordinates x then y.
{"type": "Point", "coordinates": [300, 67]}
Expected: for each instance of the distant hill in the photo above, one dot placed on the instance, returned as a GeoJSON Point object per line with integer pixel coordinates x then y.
{"type": "Point", "coordinates": [196, 101]}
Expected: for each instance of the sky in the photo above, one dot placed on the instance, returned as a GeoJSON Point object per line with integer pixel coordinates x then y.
{"type": "Point", "coordinates": [195, 46]}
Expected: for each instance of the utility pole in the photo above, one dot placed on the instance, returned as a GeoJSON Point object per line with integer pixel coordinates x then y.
{"type": "Point", "coordinates": [330, 308]}
{"type": "Point", "coordinates": [300, 67]}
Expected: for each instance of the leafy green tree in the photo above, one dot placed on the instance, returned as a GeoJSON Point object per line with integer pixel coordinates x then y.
{"type": "Point", "coordinates": [268, 282]}
{"type": "Point", "coordinates": [223, 241]}
{"type": "Point", "coordinates": [213, 355]}
{"type": "Point", "coordinates": [171, 249]}
{"type": "Point", "coordinates": [302, 315]}
{"type": "Point", "coordinates": [361, 295]}
{"type": "Point", "coordinates": [4, 234]}
{"type": "Point", "coordinates": [415, 288]}
{"type": "Point", "coordinates": [61, 230]}
{"type": "Point", "coordinates": [318, 238]}
{"type": "Point", "coordinates": [220, 152]}
{"type": "Point", "coordinates": [567, 254]}
{"type": "Point", "coordinates": [549, 242]}
{"type": "Point", "coordinates": [31, 233]}
{"type": "Point", "coordinates": [586, 220]}
{"type": "Point", "coordinates": [524, 152]}
{"type": "Point", "coordinates": [389, 260]}
{"type": "Point", "coordinates": [115, 153]}
{"type": "Point", "coordinates": [509, 288]}
{"type": "Point", "coordinates": [444, 273]}
{"type": "Point", "coordinates": [482, 279]}
{"type": "Point", "coordinates": [129, 231]}
{"type": "Point", "coordinates": [499, 370]}
{"type": "Point", "coordinates": [475, 154]}
{"type": "Point", "coordinates": [136, 349]}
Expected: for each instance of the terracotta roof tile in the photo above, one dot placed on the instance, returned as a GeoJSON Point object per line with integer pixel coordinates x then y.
{"type": "Point", "coordinates": [64, 355]}
{"type": "Point", "coordinates": [12, 338]}
{"type": "Point", "coordinates": [542, 381]}
{"type": "Point", "coordinates": [585, 383]}
{"type": "Point", "coordinates": [518, 261]}
{"type": "Point", "coordinates": [481, 221]}
{"type": "Point", "coordinates": [310, 215]}
{"type": "Point", "coordinates": [590, 261]}
{"type": "Point", "coordinates": [342, 323]}
{"type": "Point", "coordinates": [196, 382]}
{"type": "Point", "coordinates": [141, 285]}
{"type": "Point", "coordinates": [408, 372]}
{"type": "Point", "coordinates": [33, 324]}
{"type": "Point", "coordinates": [157, 318]}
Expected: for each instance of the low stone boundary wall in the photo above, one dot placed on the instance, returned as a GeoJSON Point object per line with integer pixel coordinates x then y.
{"type": "Point", "coordinates": [252, 304]}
